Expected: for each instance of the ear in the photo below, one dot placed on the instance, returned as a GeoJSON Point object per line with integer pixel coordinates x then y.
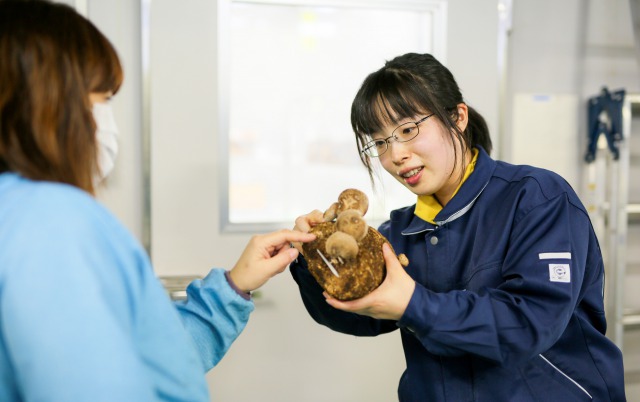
{"type": "Point", "coordinates": [463, 116]}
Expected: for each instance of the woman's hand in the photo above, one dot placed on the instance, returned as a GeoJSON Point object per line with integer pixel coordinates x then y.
{"type": "Point", "coordinates": [266, 256]}
{"type": "Point", "coordinates": [304, 224]}
{"type": "Point", "coordinates": [389, 300]}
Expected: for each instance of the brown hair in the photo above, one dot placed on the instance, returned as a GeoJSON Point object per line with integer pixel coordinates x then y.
{"type": "Point", "coordinates": [52, 59]}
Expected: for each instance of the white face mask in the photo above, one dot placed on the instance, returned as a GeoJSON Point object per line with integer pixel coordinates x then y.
{"type": "Point", "coordinates": [107, 136]}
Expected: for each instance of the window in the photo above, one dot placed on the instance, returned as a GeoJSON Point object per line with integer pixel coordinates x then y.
{"type": "Point", "coordinates": [288, 73]}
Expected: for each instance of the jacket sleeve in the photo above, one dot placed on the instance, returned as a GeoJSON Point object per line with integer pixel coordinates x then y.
{"type": "Point", "coordinates": [544, 276]}
{"type": "Point", "coordinates": [214, 314]}
{"type": "Point", "coordinates": [324, 314]}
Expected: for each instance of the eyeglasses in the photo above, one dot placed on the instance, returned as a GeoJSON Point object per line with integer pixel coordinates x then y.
{"type": "Point", "coordinates": [403, 133]}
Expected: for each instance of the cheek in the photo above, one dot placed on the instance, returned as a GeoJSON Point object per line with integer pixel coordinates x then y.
{"type": "Point", "coordinates": [440, 145]}
{"type": "Point", "coordinates": [387, 164]}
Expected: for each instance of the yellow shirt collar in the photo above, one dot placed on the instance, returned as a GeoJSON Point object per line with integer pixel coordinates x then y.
{"type": "Point", "coordinates": [428, 206]}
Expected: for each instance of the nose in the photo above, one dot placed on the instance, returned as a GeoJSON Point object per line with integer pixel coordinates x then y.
{"type": "Point", "coordinates": [398, 152]}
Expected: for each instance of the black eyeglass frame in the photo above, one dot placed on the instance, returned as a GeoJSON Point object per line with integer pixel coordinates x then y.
{"type": "Point", "coordinates": [372, 144]}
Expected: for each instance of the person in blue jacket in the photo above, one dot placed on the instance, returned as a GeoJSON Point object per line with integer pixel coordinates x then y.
{"type": "Point", "coordinates": [502, 299]}
{"type": "Point", "coordinates": [82, 315]}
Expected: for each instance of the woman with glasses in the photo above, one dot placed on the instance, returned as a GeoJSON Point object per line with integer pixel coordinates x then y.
{"type": "Point", "coordinates": [502, 299]}
{"type": "Point", "coordinates": [82, 315]}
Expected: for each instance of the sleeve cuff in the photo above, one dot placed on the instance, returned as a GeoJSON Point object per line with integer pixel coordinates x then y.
{"type": "Point", "coordinates": [244, 295]}
{"type": "Point", "coordinates": [421, 312]}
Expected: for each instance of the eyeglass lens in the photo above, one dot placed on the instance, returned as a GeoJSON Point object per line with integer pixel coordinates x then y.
{"type": "Point", "coordinates": [403, 133]}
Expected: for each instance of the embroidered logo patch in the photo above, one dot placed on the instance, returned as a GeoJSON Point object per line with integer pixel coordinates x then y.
{"type": "Point", "coordinates": [559, 273]}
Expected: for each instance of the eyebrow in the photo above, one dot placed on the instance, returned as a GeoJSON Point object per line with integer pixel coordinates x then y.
{"type": "Point", "coordinates": [396, 123]}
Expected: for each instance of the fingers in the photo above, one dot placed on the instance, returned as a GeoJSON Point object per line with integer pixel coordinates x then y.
{"type": "Point", "coordinates": [282, 238]}
{"type": "Point", "coordinates": [279, 262]}
{"type": "Point", "coordinates": [265, 256]}
{"type": "Point", "coordinates": [304, 223]}
{"type": "Point", "coordinates": [389, 300]}
{"type": "Point", "coordinates": [344, 306]}
{"type": "Point", "coordinates": [352, 306]}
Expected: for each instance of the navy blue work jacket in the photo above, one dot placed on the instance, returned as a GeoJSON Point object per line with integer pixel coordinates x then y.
{"type": "Point", "coordinates": [508, 304]}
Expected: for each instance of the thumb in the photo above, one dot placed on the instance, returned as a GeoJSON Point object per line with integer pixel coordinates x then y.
{"type": "Point", "coordinates": [390, 258]}
{"type": "Point", "coordinates": [279, 262]}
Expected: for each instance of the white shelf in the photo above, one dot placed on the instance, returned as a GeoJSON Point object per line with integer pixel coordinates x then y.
{"type": "Point", "coordinates": [633, 209]}
{"type": "Point", "coordinates": [631, 319]}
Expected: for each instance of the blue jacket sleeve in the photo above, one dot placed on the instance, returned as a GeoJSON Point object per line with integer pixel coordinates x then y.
{"type": "Point", "coordinates": [214, 314]}
{"type": "Point", "coordinates": [324, 314]}
{"type": "Point", "coordinates": [529, 311]}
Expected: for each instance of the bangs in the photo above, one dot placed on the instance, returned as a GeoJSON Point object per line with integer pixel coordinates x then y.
{"type": "Point", "coordinates": [101, 64]}
{"type": "Point", "coordinates": [108, 76]}
{"type": "Point", "coordinates": [386, 97]}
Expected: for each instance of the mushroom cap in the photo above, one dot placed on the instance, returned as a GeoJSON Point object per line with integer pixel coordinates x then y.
{"type": "Point", "coordinates": [352, 223]}
{"type": "Point", "coordinates": [358, 277]}
{"type": "Point", "coordinates": [352, 198]}
{"type": "Point", "coordinates": [341, 245]}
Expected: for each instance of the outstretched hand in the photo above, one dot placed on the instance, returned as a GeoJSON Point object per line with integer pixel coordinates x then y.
{"type": "Point", "coordinates": [304, 224]}
{"type": "Point", "coordinates": [266, 256]}
{"type": "Point", "coordinates": [389, 300]}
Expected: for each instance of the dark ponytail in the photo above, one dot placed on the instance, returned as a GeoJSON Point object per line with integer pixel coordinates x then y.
{"type": "Point", "coordinates": [477, 130]}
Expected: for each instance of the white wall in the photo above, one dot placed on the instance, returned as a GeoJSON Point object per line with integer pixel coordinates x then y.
{"type": "Point", "coordinates": [472, 56]}
{"type": "Point", "coordinates": [119, 20]}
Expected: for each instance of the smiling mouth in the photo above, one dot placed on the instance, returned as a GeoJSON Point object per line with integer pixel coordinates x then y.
{"type": "Point", "coordinates": [411, 173]}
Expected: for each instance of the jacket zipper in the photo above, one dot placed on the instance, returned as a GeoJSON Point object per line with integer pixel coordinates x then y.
{"type": "Point", "coordinates": [464, 210]}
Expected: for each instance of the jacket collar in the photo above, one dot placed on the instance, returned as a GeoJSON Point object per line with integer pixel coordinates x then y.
{"type": "Point", "coordinates": [464, 199]}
